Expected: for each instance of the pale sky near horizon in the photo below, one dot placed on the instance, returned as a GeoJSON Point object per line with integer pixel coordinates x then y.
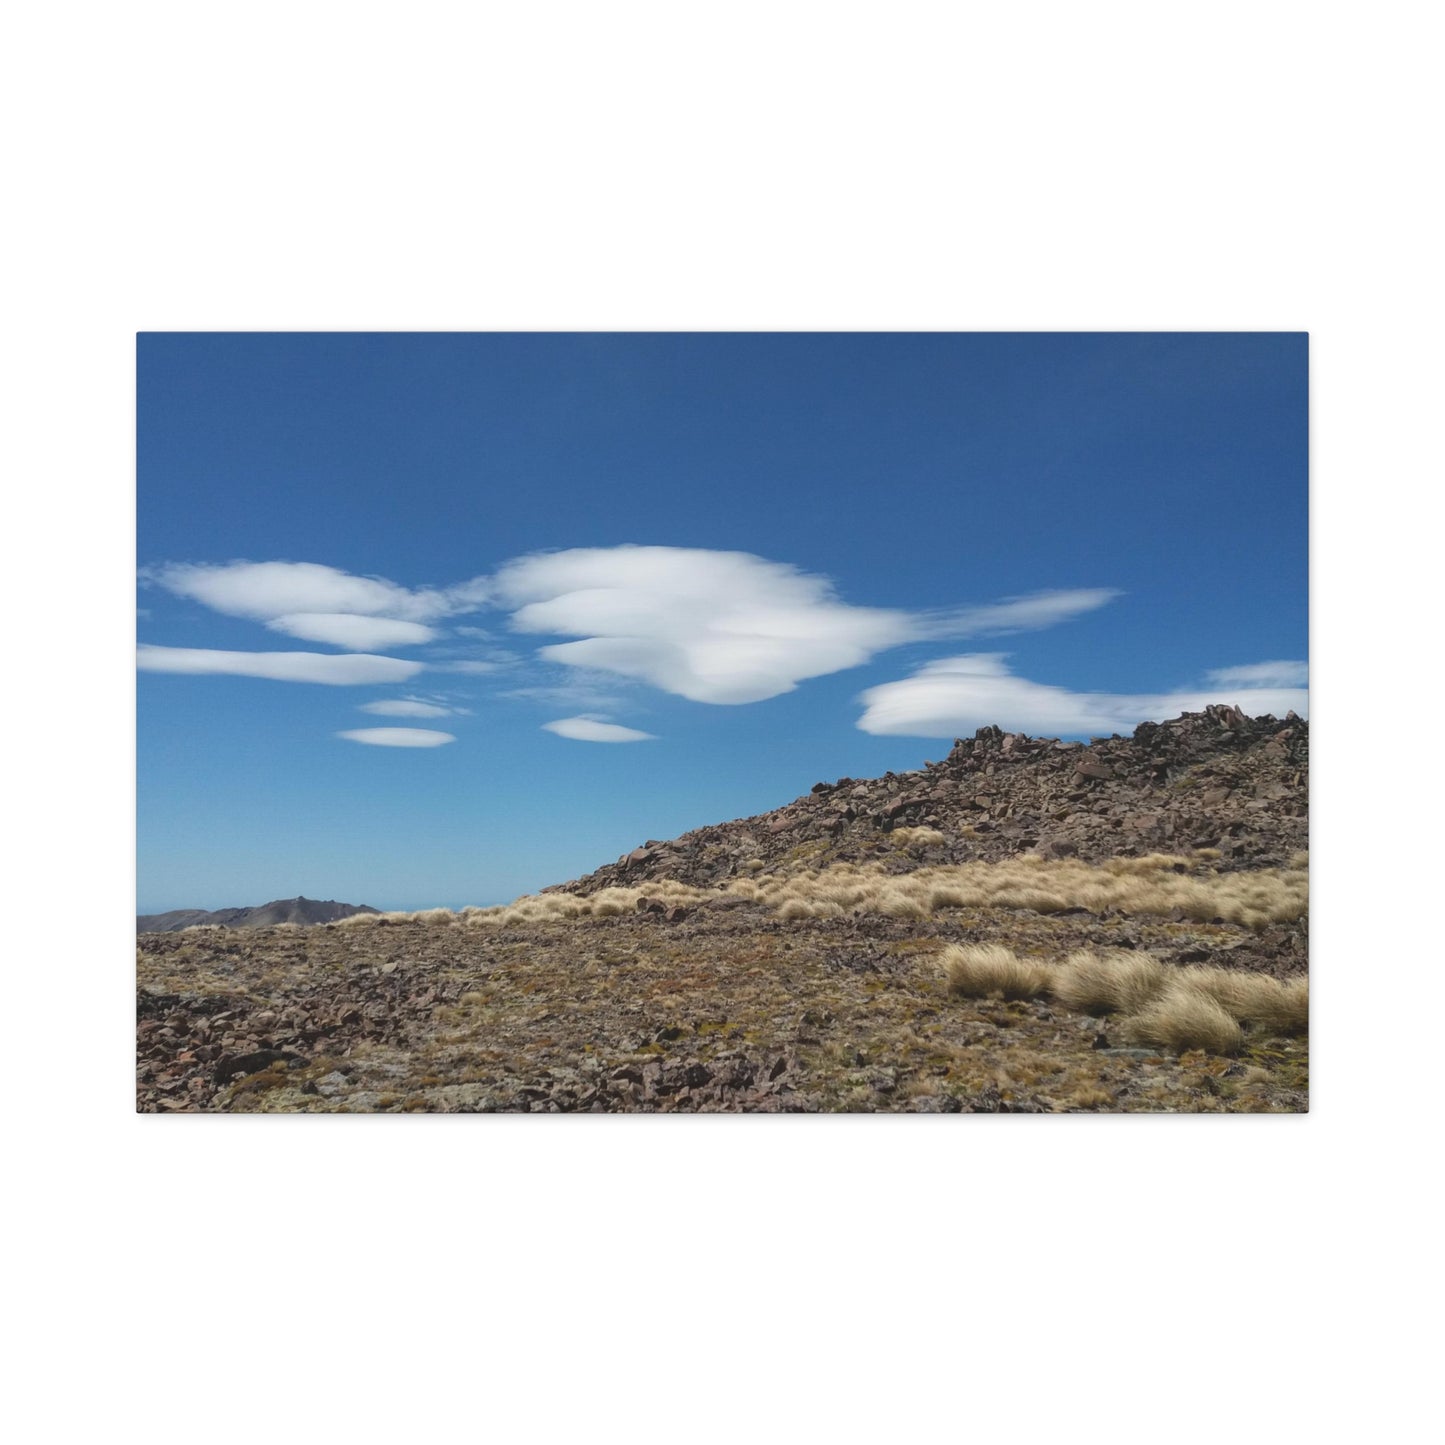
{"type": "Point", "coordinates": [443, 618]}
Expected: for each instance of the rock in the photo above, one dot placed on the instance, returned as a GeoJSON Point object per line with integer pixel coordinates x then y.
{"type": "Point", "coordinates": [235, 1066]}
{"type": "Point", "coordinates": [676, 915]}
{"type": "Point", "coordinates": [1088, 768]}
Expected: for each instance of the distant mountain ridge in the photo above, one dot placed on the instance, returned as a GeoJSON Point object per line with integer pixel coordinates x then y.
{"type": "Point", "coordinates": [302, 910]}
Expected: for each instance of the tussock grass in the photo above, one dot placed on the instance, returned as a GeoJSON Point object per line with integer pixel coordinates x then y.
{"type": "Point", "coordinates": [981, 970]}
{"type": "Point", "coordinates": [354, 920]}
{"type": "Point", "coordinates": [1183, 1018]}
{"type": "Point", "coordinates": [916, 839]}
{"type": "Point", "coordinates": [1252, 998]}
{"type": "Point", "coordinates": [1159, 884]}
{"type": "Point", "coordinates": [1104, 983]}
{"type": "Point", "coordinates": [1160, 1006]}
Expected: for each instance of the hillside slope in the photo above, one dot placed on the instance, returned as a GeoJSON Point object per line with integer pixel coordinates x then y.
{"type": "Point", "coordinates": [1215, 779]}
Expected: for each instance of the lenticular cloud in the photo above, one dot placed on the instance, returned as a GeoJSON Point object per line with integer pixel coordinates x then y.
{"type": "Point", "coordinates": [957, 695]}
{"type": "Point", "coordinates": [727, 627]}
{"type": "Point", "coordinates": [594, 730]}
{"type": "Point", "coordinates": [721, 627]}
{"type": "Point", "coordinates": [333, 669]}
{"type": "Point", "coordinates": [716, 627]}
{"type": "Point", "coordinates": [398, 737]}
{"type": "Point", "coordinates": [319, 603]}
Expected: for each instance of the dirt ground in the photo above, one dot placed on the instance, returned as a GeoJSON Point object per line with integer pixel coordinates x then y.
{"type": "Point", "coordinates": [725, 1011]}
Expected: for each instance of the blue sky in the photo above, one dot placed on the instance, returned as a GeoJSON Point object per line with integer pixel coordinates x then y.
{"type": "Point", "coordinates": [613, 587]}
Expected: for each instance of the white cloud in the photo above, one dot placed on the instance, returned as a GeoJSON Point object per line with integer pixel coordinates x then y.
{"type": "Point", "coordinates": [1018, 614]}
{"type": "Point", "coordinates": [263, 591]}
{"type": "Point", "coordinates": [410, 707]}
{"type": "Point", "coordinates": [1262, 674]}
{"type": "Point", "coordinates": [336, 670]}
{"type": "Point", "coordinates": [726, 627]}
{"type": "Point", "coordinates": [717, 627]}
{"type": "Point", "coordinates": [349, 629]}
{"type": "Point", "coordinates": [593, 730]}
{"type": "Point", "coordinates": [957, 695]}
{"type": "Point", "coordinates": [319, 603]}
{"type": "Point", "coordinates": [398, 737]}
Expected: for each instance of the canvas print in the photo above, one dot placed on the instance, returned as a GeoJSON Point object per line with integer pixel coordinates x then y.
{"type": "Point", "coordinates": [721, 722]}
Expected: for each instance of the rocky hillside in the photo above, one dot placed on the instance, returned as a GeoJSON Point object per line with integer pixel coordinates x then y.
{"type": "Point", "coordinates": [301, 910]}
{"type": "Point", "coordinates": [1215, 779]}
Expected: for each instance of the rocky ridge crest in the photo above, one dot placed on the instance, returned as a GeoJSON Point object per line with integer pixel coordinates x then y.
{"type": "Point", "coordinates": [1212, 779]}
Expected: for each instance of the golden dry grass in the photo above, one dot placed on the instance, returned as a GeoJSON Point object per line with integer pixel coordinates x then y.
{"type": "Point", "coordinates": [1160, 884]}
{"type": "Point", "coordinates": [916, 839]}
{"type": "Point", "coordinates": [982, 970]}
{"type": "Point", "coordinates": [354, 920]}
{"type": "Point", "coordinates": [1113, 982]}
{"type": "Point", "coordinates": [1182, 1018]}
{"type": "Point", "coordinates": [1162, 1006]}
{"type": "Point", "coordinates": [1275, 1007]}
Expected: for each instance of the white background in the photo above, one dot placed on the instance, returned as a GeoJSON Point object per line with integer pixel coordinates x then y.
{"type": "Point", "coordinates": [698, 166]}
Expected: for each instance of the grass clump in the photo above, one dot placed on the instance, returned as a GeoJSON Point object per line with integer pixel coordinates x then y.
{"type": "Point", "coordinates": [1103, 983]}
{"type": "Point", "coordinates": [916, 839]}
{"type": "Point", "coordinates": [1183, 1018]}
{"type": "Point", "coordinates": [1274, 1007]}
{"type": "Point", "coordinates": [981, 970]}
